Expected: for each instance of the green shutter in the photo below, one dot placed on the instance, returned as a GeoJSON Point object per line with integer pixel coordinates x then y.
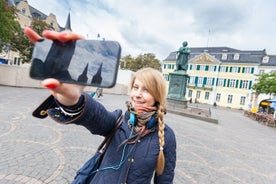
{"type": "Point", "coordinates": [204, 81]}
{"type": "Point", "coordinates": [190, 67]}
{"type": "Point", "coordinates": [239, 69]}
{"type": "Point", "coordinates": [197, 67]}
{"type": "Point", "coordinates": [252, 70]}
{"type": "Point", "coordinates": [243, 70]}
{"type": "Point", "coordinates": [224, 83]}
{"type": "Point", "coordinates": [237, 83]}
{"type": "Point", "coordinates": [230, 69]}
{"type": "Point", "coordinates": [215, 68]}
{"type": "Point", "coordinates": [241, 83]}
{"type": "Point", "coordinates": [226, 70]}
{"type": "Point", "coordinates": [213, 81]}
{"type": "Point", "coordinates": [228, 82]}
{"type": "Point", "coordinates": [250, 85]}
{"type": "Point", "coordinates": [206, 67]}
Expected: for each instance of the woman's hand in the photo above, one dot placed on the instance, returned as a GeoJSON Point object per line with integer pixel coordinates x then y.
{"type": "Point", "coordinates": [66, 94]}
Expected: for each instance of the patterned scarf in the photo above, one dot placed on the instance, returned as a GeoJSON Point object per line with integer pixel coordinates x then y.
{"type": "Point", "coordinates": [143, 115]}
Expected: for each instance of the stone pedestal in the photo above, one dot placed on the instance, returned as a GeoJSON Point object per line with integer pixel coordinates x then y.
{"type": "Point", "coordinates": [177, 89]}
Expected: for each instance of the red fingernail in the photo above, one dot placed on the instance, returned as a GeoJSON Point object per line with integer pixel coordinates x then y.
{"type": "Point", "coordinates": [51, 86]}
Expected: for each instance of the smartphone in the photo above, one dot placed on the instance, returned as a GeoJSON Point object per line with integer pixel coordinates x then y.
{"type": "Point", "coordinates": [82, 62]}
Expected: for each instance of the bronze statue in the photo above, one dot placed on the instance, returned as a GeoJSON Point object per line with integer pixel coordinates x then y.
{"type": "Point", "coordinates": [182, 57]}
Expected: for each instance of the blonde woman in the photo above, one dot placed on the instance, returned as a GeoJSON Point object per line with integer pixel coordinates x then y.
{"type": "Point", "coordinates": [143, 148]}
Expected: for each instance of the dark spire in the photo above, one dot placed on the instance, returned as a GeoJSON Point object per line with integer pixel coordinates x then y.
{"type": "Point", "coordinates": [97, 78]}
{"type": "Point", "coordinates": [68, 22]}
{"type": "Point", "coordinates": [83, 77]}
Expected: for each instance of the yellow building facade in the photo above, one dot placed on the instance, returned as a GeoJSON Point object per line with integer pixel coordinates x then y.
{"type": "Point", "coordinates": [220, 75]}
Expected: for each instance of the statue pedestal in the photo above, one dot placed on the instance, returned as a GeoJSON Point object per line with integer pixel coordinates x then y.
{"type": "Point", "coordinates": [177, 89]}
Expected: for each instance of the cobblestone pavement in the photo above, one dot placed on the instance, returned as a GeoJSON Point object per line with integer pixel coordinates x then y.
{"type": "Point", "coordinates": [33, 151]}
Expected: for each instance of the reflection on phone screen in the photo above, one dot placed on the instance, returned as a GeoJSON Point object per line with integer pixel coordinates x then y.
{"type": "Point", "coordinates": [85, 62]}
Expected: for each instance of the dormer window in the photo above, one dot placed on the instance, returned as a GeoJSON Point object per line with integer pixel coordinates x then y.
{"type": "Point", "coordinates": [265, 59]}
{"type": "Point", "coordinates": [224, 56]}
{"type": "Point", "coordinates": [23, 11]}
{"type": "Point", "coordinates": [236, 56]}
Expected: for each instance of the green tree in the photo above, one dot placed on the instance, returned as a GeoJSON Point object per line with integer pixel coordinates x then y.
{"type": "Point", "coordinates": [9, 27]}
{"type": "Point", "coordinates": [12, 35]}
{"type": "Point", "coordinates": [266, 84]}
{"type": "Point", "coordinates": [141, 61]}
{"type": "Point", "coordinates": [22, 43]}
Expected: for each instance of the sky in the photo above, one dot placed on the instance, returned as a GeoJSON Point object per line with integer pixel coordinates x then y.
{"type": "Point", "coordinates": [160, 26]}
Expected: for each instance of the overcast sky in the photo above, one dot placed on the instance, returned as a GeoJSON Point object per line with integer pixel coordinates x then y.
{"type": "Point", "coordinates": [160, 26]}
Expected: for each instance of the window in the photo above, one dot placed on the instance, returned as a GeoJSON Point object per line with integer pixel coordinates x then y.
{"type": "Point", "coordinates": [202, 67]}
{"type": "Point", "coordinates": [232, 83]}
{"type": "Point", "coordinates": [192, 79]}
{"type": "Point", "coordinates": [224, 56]}
{"type": "Point", "coordinates": [222, 69]}
{"type": "Point", "coordinates": [197, 94]}
{"type": "Point", "coordinates": [242, 101]}
{"type": "Point", "coordinates": [169, 66]}
{"type": "Point", "coordinates": [230, 98]}
{"type": "Point", "coordinates": [200, 82]}
{"type": "Point", "coordinates": [190, 93]}
{"type": "Point", "coordinates": [218, 97]}
{"type": "Point", "coordinates": [52, 23]}
{"type": "Point", "coordinates": [166, 76]}
{"type": "Point", "coordinates": [220, 82]}
{"type": "Point", "coordinates": [261, 72]}
{"type": "Point", "coordinates": [211, 68]}
{"type": "Point", "coordinates": [247, 70]}
{"type": "Point", "coordinates": [209, 81]}
{"type": "Point", "coordinates": [193, 67]}
{"type": "Point", "coordinates": [244, 84]}
{"type": "Point", "coordinates": [207, 94]}
{"type": "Point", "coordinates": [23, 11]}
{"type": "Point", "coordinates": [236, 56]}
{"type": "Point", "coordinates": [16, 61]}
{"type": "Point", "coordinates": [265, 59]}
{"type": "Point", "coordinates": [234, 69]}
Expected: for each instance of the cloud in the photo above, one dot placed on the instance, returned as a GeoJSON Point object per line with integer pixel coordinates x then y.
{"type": "Point", "coordinates": [160, 26]}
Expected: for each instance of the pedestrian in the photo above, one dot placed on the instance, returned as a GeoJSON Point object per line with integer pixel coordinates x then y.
{"type": "Point", "coordinates": [143, 149]}
{"type": "Point", "coordinates": [215, 105]}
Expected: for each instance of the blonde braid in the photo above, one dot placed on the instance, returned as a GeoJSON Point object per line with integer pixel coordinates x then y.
{"type": "Point", "coordinates": [161, 134]}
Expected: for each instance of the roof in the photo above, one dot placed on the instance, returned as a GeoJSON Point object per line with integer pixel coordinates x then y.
{"type": "Point", "coordinates": [244, 56]}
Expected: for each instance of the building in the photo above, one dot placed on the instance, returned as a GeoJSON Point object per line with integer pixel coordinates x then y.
{"type": "Point", "coordinates": [223, 75]}
{"type": "Point", "coordinates": [25, 16]}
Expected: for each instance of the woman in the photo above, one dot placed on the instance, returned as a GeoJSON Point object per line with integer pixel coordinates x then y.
{"type": "Point", "coordinates": [142, 147]}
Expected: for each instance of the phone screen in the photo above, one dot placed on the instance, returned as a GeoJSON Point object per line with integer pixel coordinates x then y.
{"type": "Point", "coordinates": [83, 62]}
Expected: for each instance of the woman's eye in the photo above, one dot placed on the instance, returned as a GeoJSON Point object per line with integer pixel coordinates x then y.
{"type": "Point", "coordinates": [145, 90]}
{"type": "Point", "coordinates": [135, 87]}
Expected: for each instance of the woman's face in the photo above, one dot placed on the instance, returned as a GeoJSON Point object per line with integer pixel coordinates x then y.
{"type": "Point", "coordinates": [140, 95]}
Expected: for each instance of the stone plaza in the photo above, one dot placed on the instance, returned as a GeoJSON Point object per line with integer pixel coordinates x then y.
{"type": "Point", "coordinates": [35, 151]}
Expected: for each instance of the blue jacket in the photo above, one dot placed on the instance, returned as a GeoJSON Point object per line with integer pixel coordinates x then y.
{"type": "Point", "coordinates": [131, 163]}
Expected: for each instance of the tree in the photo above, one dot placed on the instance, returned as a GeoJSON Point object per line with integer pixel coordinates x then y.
{"type": "Point", "coordinates": [22, 43]}
{"type": "Point", "coordinates": [9, 27]}
{"type": "Point", "coordinates": [12, 35]}
{"type": "Point", "coordinates": [141, 61]}
{"type": "Point", "coordinates": [266, 84]}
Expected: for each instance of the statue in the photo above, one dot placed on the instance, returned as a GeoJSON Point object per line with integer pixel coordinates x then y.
{"type": "Point", "coordinates": [182, 57]}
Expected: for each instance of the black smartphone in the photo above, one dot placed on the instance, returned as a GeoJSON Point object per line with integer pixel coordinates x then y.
{"type": "Point", "coordinates": [83, 62]}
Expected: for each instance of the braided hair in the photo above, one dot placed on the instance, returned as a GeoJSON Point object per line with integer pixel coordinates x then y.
{"type": "Point", "coordinates": [156, 85]}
